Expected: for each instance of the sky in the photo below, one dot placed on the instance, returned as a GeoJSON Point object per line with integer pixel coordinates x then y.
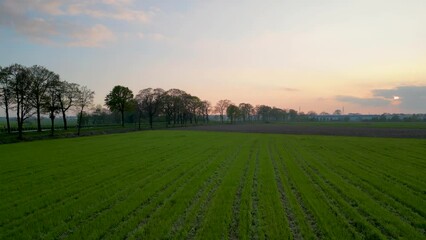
{"type": "Point", "coordinates": [368, 56]}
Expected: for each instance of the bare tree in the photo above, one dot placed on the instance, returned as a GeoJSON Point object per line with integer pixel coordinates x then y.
{"type": "Point", "coordinates": [264, 112]}
{"type": "Point", "coordinates": [51, 103]}
{"type": "Point", "coordinates": [245, 110]}
{"type": "Point", "coordinates": [21, 87]}
{"type": "Point", "coordinates": [150, 100]}
{"type": "Point", "coordinates": [6, 96]}
{"type": "Point", "coordinates": [205, 110]}
{"type": "Point", "coordinates": [221, 107]}
{"type": "Point", "coordinates": [41, 78]}
{"type": "Point", "coordinates": [193, 104]}
{"type": "Point", "coordinates": [84, 99]}
{"type": "Point", "coordinates": [119, 99]}
{"type": "Point", "coordinates": [174, 106]}
{"type": "Point", "coordinates": [67, 96]}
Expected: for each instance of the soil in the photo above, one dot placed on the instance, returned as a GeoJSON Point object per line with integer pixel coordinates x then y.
{"type": "Point", "coordinates": [316, 130]}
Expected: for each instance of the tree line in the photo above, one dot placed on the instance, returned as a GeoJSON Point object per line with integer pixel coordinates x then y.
{"type": "Point", "coordinates": [174, 105]}
{"type": "Point", "coordinates": [245, 112]}
{"type": "Point", "coordinates": [178, 107]}
{"type": "Point", "coordinates": [35, 90]}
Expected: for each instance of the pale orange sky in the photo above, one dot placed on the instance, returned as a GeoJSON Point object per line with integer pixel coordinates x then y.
{"type": "Point", "coordinates": [316, 55]}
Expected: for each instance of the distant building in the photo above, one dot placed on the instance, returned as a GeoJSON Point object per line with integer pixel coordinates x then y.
{"type": "Point", "coordinates": [356, 117]}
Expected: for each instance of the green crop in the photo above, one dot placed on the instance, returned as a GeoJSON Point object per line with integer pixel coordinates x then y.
{"type": "Point", "coordinates": [205, 185]}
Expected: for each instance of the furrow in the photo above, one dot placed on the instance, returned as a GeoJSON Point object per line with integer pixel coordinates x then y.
{"type": "Point", "coordinates": [204, 206]}
{"type": "Point", "coordinates": [254, 213]}
{"type": "Point", "coordinates": [236, 206]}
{"type": "Point", "coordinates": [307, 213]}
{"type": "Point", "coordinates": [294, 227]}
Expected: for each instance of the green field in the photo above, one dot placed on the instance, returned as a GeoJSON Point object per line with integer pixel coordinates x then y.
{"type": "Point", "coordinates": [199, 185]}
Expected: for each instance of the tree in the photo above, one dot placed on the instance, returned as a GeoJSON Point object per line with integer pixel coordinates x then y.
{"type": "Point", "coordinates": [337, 112]}
{"type": "Point", "coordinates": [51, 103]}
{"type": "Point", "coordinates": [174, 106]}
{"type": "Point", "coordinates": [150, 100]}
{"type": "Point", "coordinates": [205, 109]}
{"type": "Point", "coordinates": [119, 100]}
{"type": "Point", "coordinates": [232, 112]}
{"type": "Point", "coordinates": [6, 93]}
{"type": "Point", "coordinates": [100, 115]}
{"type": "Point", "coordinates": [67, 97]}
{"type": "Point", "coordinates": [221, 107]}
{"type": "Point", "coordinates": [21, 88]}
{"type": "Point", "coordinates": [264, 111]}
{"type": "Point", "coordinates": [312, 115]}
{"type": "Point", "coordinates": [41, 78]}
{"type": "Point", "coordinates": [292, 114]}
{"type": "Point", "coordinates": [245, 110]}
{"type": "Point", "coordinates": [193, 104]}
{"type": "Point", "coordinates": [84, 99]}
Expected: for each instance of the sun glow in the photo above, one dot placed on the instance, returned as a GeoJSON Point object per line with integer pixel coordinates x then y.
{"type": "Point", "coordinates": [395, 97]}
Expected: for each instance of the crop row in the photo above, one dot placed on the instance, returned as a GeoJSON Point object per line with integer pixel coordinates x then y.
{"type": "Point", "coordinates": [193, 185]}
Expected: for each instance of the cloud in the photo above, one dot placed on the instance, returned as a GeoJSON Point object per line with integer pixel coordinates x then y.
{"type": "Point", "coordinates": [118, 2]}
{"type": "Point", "coordinates": [117, 12]}
{"type": "Point", "coordinates": [92, 37]}
{"type": "Point", "coordinates": [151, 36]}
{"type": "Point", "coordinates": [56, 22]}
{"type": "Point", "coordinates": [287, 89]}
{"type": "Point", "coordinates": [410, 98]}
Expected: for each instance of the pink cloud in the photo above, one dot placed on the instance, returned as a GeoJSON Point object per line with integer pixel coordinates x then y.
{"type": "Point", "coordinates": [39, 21]}
{"type": "Point", "coordinates": [95, 36]}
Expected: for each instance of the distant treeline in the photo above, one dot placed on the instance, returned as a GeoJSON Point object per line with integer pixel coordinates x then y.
{"type": "Point", "coordinates": [28, 92]}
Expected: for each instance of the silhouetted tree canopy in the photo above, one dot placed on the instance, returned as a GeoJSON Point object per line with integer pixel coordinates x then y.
{"type": "Point", "coordinates": [41, 80]}
{"type": "Point", "coordinates": [119, 99]}
{"type": "Point", "coordinates": [150, 101]}
{"type": "Point", "coordinates": [84, 99]}
{"type": "Point", "coordinates": [232, 112]}
{"type": "Point", "coordinates": [221, 107]}
{"type": "Point", "coordinates": [67, 96]}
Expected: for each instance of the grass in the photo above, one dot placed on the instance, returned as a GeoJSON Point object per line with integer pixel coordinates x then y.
{"type": "Point", "coordinates": [198, 185]}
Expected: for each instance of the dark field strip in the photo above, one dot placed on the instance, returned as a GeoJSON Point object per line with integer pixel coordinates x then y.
{"type": "Point", "coordinates": [403, 130]}
{"type": "Point", "coordinates": [210, 185]}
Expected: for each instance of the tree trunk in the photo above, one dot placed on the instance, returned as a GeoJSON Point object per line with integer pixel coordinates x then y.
{"type": "Point", "coordinates": [150, 120]}
{"type": "Point", "coordinates": [38, 118]}
{"type": "Point", "coordinates": [19, 129]}
{"type": "Point", "coordinates": [122, 118]}
{"type": "Point", "coordinates": [140, 116]}
{"type": "Point", "coordinates": [80, 122]}
{"type": "Point", "coordinates": [52, 121]}
{"type": "Point", "coordinates": [19, 123]}
{"type": "Point", "coordinates": [64, 118]}
{"type": "Point", "coordinates": [7, 117]}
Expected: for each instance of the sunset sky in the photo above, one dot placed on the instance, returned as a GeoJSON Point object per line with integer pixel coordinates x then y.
{"type": "Point", "coordinates": [368, 56]}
